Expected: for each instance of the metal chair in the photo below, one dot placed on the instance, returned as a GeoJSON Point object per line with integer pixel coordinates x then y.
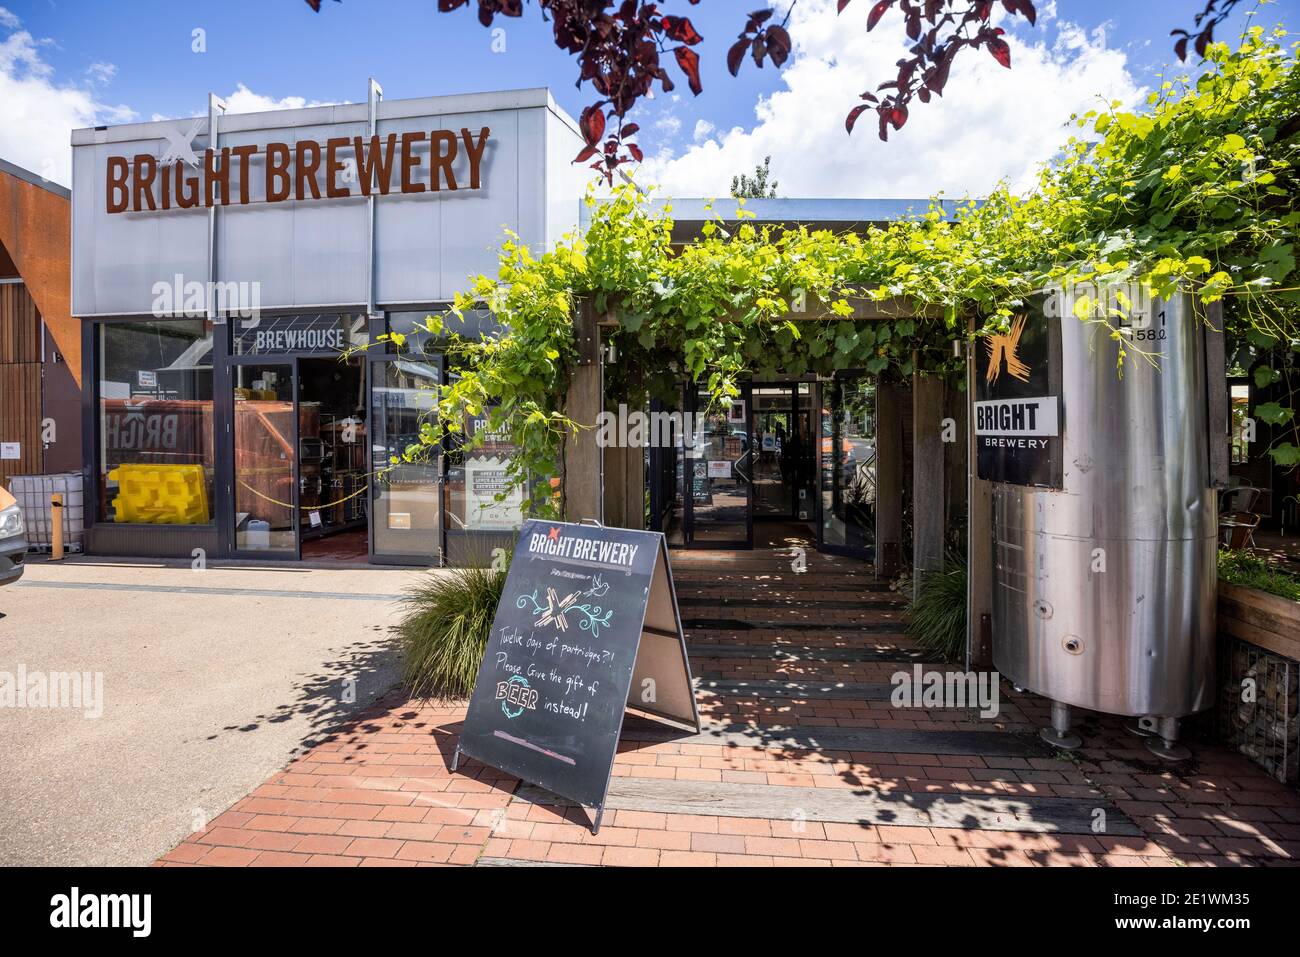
{"type": "Point", "coordinates": [1237, 530]}
{"type": "Point", "coordinates": [1240, 498]}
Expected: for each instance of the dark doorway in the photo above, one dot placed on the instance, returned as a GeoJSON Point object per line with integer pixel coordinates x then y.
{"type": "Point", "coordinates": [332, 459]}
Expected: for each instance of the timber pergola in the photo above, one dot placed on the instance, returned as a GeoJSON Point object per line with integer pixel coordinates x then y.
{"type": "Point", "coordinates": [608, 484]}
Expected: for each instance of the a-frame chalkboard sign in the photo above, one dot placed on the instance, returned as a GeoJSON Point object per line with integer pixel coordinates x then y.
{"type": "Point", "coordinates": [587, 627]}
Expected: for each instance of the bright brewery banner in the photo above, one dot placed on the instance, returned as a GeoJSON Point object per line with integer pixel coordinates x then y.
{"type": "Point", "coordinates": [1018, 400]}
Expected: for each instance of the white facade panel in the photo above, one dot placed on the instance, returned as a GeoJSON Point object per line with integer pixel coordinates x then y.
{"type": "Point", "coordinates": [313, 252]}
{"type": "Point", "coordinates": [132, 251]}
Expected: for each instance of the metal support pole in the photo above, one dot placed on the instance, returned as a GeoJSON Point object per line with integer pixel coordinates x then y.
{"type": "Point", "coordinates": [1164, 744]}
{"type": "Point", "coordinates": [374, 94]}
{"type": "Point", "coordinates": [216, 109]}
{"type": "Point", "coordinates": [1058, 735]}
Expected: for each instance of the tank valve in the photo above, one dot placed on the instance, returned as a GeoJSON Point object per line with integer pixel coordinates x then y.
{"type": "Point", "coordinates": [1059, 735]}
{"type": "Point", "coordinates": [1164, 743]}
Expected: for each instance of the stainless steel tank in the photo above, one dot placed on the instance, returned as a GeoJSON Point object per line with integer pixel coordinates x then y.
{"type": "Point", "coordinates": [1104, 589]}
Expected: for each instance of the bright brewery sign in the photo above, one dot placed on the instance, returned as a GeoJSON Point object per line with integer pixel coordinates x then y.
{"type": "Point", "coordinates": [412, 162]}
{"type": "Point", "coordinates": [1018, 400]}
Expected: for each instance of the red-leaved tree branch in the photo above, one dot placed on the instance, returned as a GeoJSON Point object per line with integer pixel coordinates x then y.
{"type": "Point", "coordinates": [623, 49]}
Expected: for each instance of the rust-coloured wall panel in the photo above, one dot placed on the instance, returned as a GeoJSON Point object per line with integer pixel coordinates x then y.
{"type": "Point", "coordinates": [36, 230]}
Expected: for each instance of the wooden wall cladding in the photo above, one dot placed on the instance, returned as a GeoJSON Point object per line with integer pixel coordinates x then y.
{"type": "Point", "coordinates": [20, 381]}
{"type": "Point", "coordinates": [20, 325]}
{"type": "Point", "coordinates": [20, 417]}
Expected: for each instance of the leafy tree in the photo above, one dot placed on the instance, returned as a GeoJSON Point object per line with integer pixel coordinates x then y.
{"type": "Point", "coordinates": [756, 186]}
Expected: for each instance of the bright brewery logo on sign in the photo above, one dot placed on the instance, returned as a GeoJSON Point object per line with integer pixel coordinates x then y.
{"type": "Point", "coordinates": [1013, 423]}
{"type": "Point", "coordinates": [1016, 423]}
{"type": "Point", "coordinates": [1002, 349]}
{"type": "Point", "coordinates": [381, 164]}
{"type": "Point", "coordinates": [597, 550]}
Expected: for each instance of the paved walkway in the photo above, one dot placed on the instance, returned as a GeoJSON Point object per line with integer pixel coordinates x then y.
{"type": "Point", "coordinates": [211, 680]}
{"type": "Point", "coordinates": [803, 761]}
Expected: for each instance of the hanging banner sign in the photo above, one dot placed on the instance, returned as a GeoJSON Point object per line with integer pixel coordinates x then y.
{"type": "Point", "coordinates": [587, 627]}
{"type": "Point", "coordinates": [1017, 401]}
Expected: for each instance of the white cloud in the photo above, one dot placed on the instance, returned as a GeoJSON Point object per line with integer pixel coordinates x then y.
{"type": "Point", "coordinates": [991, 123]}
{"type": "Point", "coordinates": [244, 100]}
{"type": "Point", "coordinates": [37, 114]}
{"type": "Point", "coordinates": [703, 130]}
{"type": "Point", "coordinates": [100, 72]}
{"type": "Point", "coordinates": [668, 125]}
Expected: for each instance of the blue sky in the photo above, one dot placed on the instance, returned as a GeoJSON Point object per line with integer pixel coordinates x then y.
{"type": "Point", "coordinates": [134, 57]}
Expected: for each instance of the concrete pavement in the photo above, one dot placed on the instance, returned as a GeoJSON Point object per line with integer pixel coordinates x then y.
{"type": "Point", "coordinates": [212, 680]}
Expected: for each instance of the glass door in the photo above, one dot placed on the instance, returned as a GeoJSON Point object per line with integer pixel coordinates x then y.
{"type": "Point", "coordinates": [716, 472]}
{"type": "Point", "coordinates": [406, 497]}
{"type": "Point", "coordinates": [848, 466]}
{"type": "Point", "coordinates": [265, 428]}
{"type": "Point", "coordinates": [775, 450]}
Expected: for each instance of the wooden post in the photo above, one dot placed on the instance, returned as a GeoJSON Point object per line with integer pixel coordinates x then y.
{"type": "Point", "coordinates": [582, 479]}
{"type": "Point", "coordinates": [634, 489]}
{"type": "Point", "coordinates": [979, 534]}
{"type": "Point", "coordinates": [889, 477]}
{"type": "Point", "coordinates": [927, 477]}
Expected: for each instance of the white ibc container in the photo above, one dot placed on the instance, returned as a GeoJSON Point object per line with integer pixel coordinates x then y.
{"type": "Point", "coordinates": [33, 494]}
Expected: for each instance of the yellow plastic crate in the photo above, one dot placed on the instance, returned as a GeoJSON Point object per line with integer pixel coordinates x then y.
{"type": "Point", "coordinates": [160, 495]}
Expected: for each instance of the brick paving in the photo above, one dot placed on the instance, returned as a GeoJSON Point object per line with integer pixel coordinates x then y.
{"type": "Point", "coordinates": [379, 793]}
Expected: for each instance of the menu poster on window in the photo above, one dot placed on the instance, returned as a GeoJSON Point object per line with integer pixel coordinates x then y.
{"type": "Point", "coordinates": [485, 479]}
{"type": "Point", "coordinates": [587, 627]}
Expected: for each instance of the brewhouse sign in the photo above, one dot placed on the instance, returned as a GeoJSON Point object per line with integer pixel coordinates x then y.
{"type": "Point", "coordinates": [1018, 405]}
{"type": "Point", "coordinates": [412, 162]}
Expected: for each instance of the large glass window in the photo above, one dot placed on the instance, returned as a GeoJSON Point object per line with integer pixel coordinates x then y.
{"type": "Point", "coordinates": [155, 454]}
{"type": "Point", "coordinates": [416, 339]}
{"type": "Point", "coordinates": [404, 397]}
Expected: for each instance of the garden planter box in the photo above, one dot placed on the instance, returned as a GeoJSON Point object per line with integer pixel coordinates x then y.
{"type": "Point", "coordinates": [1260, 648]}
{"type": "Point", "coordinates": [1269, 621]}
